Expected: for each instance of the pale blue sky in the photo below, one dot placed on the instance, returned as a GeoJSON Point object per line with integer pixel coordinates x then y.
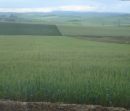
{"type": "Point", "coordinates": [65, 5]}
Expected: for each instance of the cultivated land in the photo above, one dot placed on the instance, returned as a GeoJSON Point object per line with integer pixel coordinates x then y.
{"type": "Point", "coordinates": [7, 28]}
{"type": "Point", "coordinates": [63, 69]}
{"type": "Point", "coordinates": [59, 58]}
{"type": "Point", "coordinates": [96, 33]}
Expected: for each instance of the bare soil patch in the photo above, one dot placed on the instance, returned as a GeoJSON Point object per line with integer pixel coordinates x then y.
{"type": "Point", "coordinates": [43, 106]}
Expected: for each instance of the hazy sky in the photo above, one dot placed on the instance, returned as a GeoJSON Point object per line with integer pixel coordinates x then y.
{"type": "Point", "coordinates": [64, 5]}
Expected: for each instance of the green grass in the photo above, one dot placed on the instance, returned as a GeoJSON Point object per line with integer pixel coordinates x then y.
{"type": "Point", "coordinates": [63, 69]}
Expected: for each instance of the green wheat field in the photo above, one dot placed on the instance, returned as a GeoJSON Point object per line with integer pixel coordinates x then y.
{"type": "Point", "coordinates": [65, 62]}
{"type": "Point", "coordinates": [63, 69]}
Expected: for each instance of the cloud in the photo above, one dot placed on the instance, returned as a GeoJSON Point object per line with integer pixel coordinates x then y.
{"type": "Point", "coordinates": [23, 10]}
{"type": "Point", "coordinates": [95, 7]}
{"type": "Point", "coordinates": [116, 7]}
{"type": "Point", "coordinates": [77, 8]}
{"type": "Point", "coordinates": [81, 8]}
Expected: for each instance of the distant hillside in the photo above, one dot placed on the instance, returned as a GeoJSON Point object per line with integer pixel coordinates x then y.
{"type": "Point", "coordinates": [28, 29]}
{"type": "Point", "coordinates": [69, 18]}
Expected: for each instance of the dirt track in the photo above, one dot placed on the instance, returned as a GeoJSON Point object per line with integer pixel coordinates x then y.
{"type": "Point", "coordinates": [42, 106]}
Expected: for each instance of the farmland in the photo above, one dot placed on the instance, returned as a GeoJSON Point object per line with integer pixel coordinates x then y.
{"type": "Point", "coordinates": [63, 69]}
{"type": "Point", "coordinates": [57, 58]}
{"type": "Point", "coordinates": [28, 29]}
{"type": "Point", "coordinates": [96, 33]}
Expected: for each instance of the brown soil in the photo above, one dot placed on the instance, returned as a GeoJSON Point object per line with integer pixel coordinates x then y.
{"type": "Point", "coordinates": [42, 106]}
